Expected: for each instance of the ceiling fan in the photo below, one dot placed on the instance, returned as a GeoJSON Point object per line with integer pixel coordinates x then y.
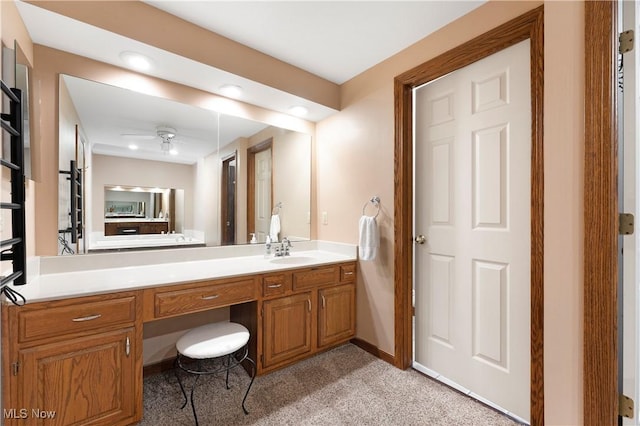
{"type": "Point", "coordinates": [166, 134]}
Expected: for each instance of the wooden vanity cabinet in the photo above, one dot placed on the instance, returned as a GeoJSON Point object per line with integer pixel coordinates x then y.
{"type": "Point", "coordinates": [316, 310]}
{"type": "Point", "coordinates": [86, 370]}
{"type": "Point", "coordinates": [133, 228]}
{"type": "Point", "coordinates": [287, 326]}
{"type": "Point", "coordinates": [336, 314]}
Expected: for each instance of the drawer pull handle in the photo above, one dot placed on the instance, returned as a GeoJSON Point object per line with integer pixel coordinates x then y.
{"type": "Point", "coordinates": [324, 302]}
{"type": "Point", "coordinates": [274, 286]}
{"type": "Point", "coordinates": [87, 318]}
{"type": "Point", "coordinates": [349, 273]}
{"type": "Point", "coordinates": [214, 296]}
{"type": "Point", "coordinates": [309, 304]}
{"type": "Point", "coordinates": [127, 346]}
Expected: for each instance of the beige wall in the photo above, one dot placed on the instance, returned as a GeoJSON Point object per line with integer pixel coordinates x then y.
{"type": "Point", "coordinates": [563, 215]}
{"type": "Point", "coordinates": [207, 192]}
{"type": "Point", "coordinates": [355, 150]}
{"type": "Point", "coordinates": [67, 142]}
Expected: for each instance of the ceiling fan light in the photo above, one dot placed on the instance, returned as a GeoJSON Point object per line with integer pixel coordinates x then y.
{"type": "Point", "coordinates": [166, 132]}
{"type": "Point", "coordinates": [133, 146]}
{"type": "Point", "coordinates": [173, 151]}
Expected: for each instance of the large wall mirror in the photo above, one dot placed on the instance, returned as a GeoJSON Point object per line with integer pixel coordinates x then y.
{"type": "Point", "coordinates": [155, 173]}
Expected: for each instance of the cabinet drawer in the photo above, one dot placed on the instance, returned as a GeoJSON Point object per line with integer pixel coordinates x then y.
{"type": "Point", "coordinates": [60, 320]}
{"type": "Point", "coordinates": [201, 298]}
{"type": "Point", "coordinates": [322, 275]}
{"type": "Point", "coordinates": [276, 285]}
{"type": "Point", "coordinates": [348, 273]}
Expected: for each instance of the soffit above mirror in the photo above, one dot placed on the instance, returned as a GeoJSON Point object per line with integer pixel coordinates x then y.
{"type": "Point", "coordinates": [304, 49]}
{"type": "Point", "coordinates": [95, 43]}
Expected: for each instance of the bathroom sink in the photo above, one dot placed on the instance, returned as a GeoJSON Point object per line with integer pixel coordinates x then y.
{"type": "Point", "coordinates": [293, 260]}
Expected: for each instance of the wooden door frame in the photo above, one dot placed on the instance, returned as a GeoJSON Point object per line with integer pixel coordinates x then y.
{"type": "Point", "coordinates": [251, 182]}
{"type": "Point", "coordinates": [224, 206]}
{"type": "Point", "coordinates": [600, 291]}
{"type": "Point", "coordinates": [527, 26]}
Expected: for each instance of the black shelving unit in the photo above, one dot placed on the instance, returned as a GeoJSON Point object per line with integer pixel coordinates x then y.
{"type": "Point", "coordinates": [14, 249]}
{"type": "Point", "coordinates": [75, 193]}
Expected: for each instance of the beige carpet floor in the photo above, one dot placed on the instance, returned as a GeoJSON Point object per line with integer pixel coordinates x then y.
{"type": "Point", "coordinates": [344, 386]}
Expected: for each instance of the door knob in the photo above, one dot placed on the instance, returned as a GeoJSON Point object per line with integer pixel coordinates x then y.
{"type": "Point", "coordinates": [420, 239]}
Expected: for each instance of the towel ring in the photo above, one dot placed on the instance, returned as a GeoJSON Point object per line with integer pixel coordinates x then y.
{"type": "Point", "coordinates": [376, 202]}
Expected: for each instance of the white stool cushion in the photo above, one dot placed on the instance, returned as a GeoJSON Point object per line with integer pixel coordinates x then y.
{"type": "Point", "coordinates": [213, 340]}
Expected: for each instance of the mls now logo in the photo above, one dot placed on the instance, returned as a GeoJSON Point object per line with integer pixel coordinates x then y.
{"type": "Point", "coordinates": [23, 413]}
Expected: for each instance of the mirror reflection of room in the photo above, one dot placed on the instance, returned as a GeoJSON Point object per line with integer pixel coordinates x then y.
{"type": "Point", "coordinates": [129, 144]}
{"type": "Point", "coordinates": [141, 211]}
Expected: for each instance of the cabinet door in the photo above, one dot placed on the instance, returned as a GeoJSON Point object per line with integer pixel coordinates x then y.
{"type": "Point", "coordinates": [91, 380]}
{"type": "Point", "coordinates": [287, 328]}
{"type": "Point", "coordinates": [336, 314]}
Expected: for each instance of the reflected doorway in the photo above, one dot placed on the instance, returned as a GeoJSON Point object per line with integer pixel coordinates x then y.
{"type": "Point", "coordinates": [228, 205]}
{"type": "Point", "coordinates": [259, 189]}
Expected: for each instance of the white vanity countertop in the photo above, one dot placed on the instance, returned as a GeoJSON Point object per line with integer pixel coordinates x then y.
{"type": "Point", "coordinates": [66, 284]}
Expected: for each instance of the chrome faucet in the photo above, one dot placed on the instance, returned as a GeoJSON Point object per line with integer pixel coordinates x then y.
{"type": "Point", "coordinates": [286, 245]}
{"type": "Point", "coordinates": [282, 249]}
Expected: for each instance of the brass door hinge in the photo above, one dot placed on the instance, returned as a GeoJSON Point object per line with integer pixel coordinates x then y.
{"type": "Point", "coordinates": [625, 223]}
{"type": "Point", "coordinates": [625, 42]}
{"type": "Point", "coordinates": [625, 407]}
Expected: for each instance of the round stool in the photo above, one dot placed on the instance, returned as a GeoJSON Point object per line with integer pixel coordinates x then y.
{"type": "Point", "coordinates": [225, 340]}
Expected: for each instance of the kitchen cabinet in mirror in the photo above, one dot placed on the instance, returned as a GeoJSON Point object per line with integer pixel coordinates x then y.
{"type": "Point", "coordinates": [134, 140]}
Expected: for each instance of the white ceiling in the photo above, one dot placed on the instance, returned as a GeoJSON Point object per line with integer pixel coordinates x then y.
{"type": "Point", "coordinates": [336, 40]}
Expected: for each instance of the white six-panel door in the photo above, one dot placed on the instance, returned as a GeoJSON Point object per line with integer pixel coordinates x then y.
{"type": "Point", "coordinates": [263, 194]}
{"type": "Point", "coordinates": [472, 202]}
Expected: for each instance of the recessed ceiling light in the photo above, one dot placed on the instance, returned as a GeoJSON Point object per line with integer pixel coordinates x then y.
{"type": "Point", "coordinates": [133, 146]}
{"type": "Point", "coordinates": [298, 110]}
{"type": "Point", "coordinates": [231, 90]}
{"type": "Point", "coordinates": [136, 61]}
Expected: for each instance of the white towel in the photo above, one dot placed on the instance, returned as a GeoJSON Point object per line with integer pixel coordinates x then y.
{"type": "Point", "coordinates": [274, 228]}
{"type": "Point", "coordinates": [369, 238]}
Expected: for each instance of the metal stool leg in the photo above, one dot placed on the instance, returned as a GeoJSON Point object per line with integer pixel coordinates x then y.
{"type": "Point", "coordinates": [175, 371]}
{"type": "Point", "coordinates": [227, 366]}
{"type": "Point", "coordinates": [176, 365]}
{"type": "Point", "coordinates": [253, 376]}
{"type": "Point", "coordinates": [193, 407]}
